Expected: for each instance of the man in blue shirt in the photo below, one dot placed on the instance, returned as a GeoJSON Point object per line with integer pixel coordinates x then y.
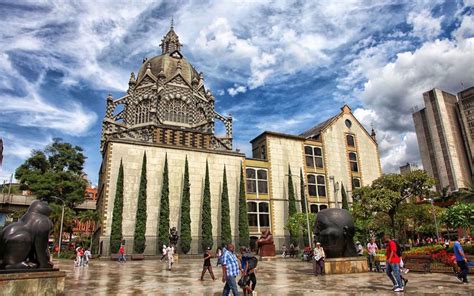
{"type": "Point", "coordinates": [461, 261]}
{"type": "Point", "coordinates": [230, 269]}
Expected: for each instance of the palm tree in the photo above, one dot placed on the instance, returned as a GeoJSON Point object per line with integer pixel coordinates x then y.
{"type": "Point", "coordinates": [89, 216]}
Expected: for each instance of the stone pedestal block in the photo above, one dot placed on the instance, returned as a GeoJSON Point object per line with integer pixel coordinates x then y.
{"type": "Point", "coordinates": [267, 251]}
{"type": "Point", "coordinates": [346, 265]}
{"type": "Point", "coordinates": [49, 282]}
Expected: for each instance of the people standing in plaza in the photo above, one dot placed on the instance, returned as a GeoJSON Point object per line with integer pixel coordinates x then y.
{"type": "Point", "coordinates": [461, 261]}
{"type": "Point", "coordinates": [207, 264]}
{"type": "Point", "coordinates": [372, 249]}
{"type": "Point", "coordinates": [393, 264]}
{"type": "Point", "coordinates": [121, 258]}
{"type": "Point", "coordinates": [170, 253]}
{"type": "Point", "coordinates": [230, 270]}
{"type": "Point", "coordinates": [87, 256]}
{"type": "Point", "coordinates": [318, 260]}
{"type": "Point", "coordinates": [219, 256]}
{"type": "Point", "coordinates": [360, 249]}
{"type": "Point", "coordinates": [163, 252]}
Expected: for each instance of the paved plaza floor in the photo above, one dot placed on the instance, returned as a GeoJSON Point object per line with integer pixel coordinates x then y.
{"type": "Point", "coordinates": [278, 277]}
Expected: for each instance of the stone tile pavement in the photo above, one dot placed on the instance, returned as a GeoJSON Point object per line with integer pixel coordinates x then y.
{"type": "Point", "coordinates": [278, 277]}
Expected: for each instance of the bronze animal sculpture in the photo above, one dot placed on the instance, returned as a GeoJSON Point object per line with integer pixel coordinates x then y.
{"type": "Point", "coordinates": [335, 230]}
{"type": "Point", "coordinates": [24, 244]}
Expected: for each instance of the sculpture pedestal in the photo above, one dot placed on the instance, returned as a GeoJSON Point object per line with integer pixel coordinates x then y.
{"type": "Point", "coordinates": [267, 251]}
{"type": "Point", "coordinates": [346, 265]}
{"type": "Point", "coordinates": [45, 282]}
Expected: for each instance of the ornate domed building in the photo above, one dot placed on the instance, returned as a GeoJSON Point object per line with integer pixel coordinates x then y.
{"type": "Point", "coordinates": [167, 103]}
{"type": "Point", "coordinates": [168, 116]}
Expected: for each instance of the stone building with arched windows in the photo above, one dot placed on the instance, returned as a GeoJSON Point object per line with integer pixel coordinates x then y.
{"type": "Point", "coordinates": [168, 112]}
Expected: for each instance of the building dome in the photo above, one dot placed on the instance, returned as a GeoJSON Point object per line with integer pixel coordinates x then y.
{"type": "Point", "coordinates": [167, 64]}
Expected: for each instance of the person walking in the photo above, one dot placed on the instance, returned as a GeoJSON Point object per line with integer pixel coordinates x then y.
{"type": "Point", "coordinates": [219, 256]}
{"type": "Point", "coordinates": [393, 264]}
{"type": "Point", "coordinates": [170, 253]}
{"type": "Point", "coordinates": [230, 269]}
{"type": "Point", "coordinates": [318, 260]}
{"type": "Point", "coordinates": [372, 249]}
{"type": "Point", "coordinates": [207, 264]}
{"type": "Point", "coordinates": [87, 256]}
{"type": "Point", "coordinates": [81, 256]}
{"type": "Point", "coordinates": [163, 252]}
{"type": "Point", "coordinates": [121, 258]}
{"type": "Point", "coordinates": [461, 261]}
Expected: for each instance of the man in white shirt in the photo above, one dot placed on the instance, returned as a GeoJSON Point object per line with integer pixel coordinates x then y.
{"type": "Point", "coordinates": [170, 253]}
{"type": "Point", "coordinates": [372, 249]}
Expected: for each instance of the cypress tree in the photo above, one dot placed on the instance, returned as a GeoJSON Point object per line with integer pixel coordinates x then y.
{"type": "Point", "coordinates": [226, 232]}
{"type": "Point", "coordinates": [291, 205]}
{"type": "Point", "coordinates": [291, 195]}
{"type": "Point", "coordinates": [244, 237]}
{"type": "Point", "coordinates": [206, 221]}
{"type": "Point", "coordinates": [164, 217]}
{"type": "Point", "coordinates": [185, 240]}
{"type": "Point", "coordinates": [116, 232]}
{"type": "Point", "coordinates": [345, 204]}
{"type": "Point", "coordinates": [140, 219]}
{"type": "Point", "coordinates": [303, 195]}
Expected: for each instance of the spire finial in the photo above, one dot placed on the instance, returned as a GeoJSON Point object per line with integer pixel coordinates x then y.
{"type": "Point", "coordinates": [172, 23]}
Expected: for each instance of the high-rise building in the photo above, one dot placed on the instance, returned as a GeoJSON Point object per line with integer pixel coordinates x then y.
{"type": "Point", "coordinates": [466, 107]}
{"type": "Point", "coordinates": [168, 112]}
{"type": "Point", "coordinates": [442, 141]}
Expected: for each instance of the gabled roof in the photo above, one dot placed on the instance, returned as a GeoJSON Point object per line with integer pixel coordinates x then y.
{"type": "Point", "coordinates": [316, 130]}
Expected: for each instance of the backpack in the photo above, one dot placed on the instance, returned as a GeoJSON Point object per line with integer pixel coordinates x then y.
{"type": "Point", "coordinates": [399, 249]}
{"type": "Point", "coordinates": [252, 262]}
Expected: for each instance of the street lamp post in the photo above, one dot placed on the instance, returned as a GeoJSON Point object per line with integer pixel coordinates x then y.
{"type": "Point", "coordinates": [430, 200]}
{"type": "Point", "coordinates": [61, 228]}
{"type": "Point", "coordinates": [306, 208]}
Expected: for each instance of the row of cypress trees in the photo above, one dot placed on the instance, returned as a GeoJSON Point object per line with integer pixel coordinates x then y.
{"type": "Point", "coordinates": [185, 221]}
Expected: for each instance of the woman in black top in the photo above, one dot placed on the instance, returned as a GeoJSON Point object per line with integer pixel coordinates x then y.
{"type": "Point", "coordinates": [207, 264]}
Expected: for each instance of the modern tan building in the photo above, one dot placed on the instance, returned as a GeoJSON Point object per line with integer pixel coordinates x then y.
{"type": "Point", "coordinates": [442, 140]}
{"type": "Point", "coordinates": [168, 112]}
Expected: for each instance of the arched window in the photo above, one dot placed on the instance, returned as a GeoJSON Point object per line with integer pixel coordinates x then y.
{"type": "Point", "coordinates": [350, 140]}
{"type": "Point", "coordinates": [143, 112]}
{"type": "Point", "coordinates": [178, 111]}
{"type": "Point", "coordinates": [353, 162]}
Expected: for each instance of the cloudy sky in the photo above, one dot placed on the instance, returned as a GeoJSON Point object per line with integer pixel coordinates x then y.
{"type": "Point", "coordinates": [281, 65]}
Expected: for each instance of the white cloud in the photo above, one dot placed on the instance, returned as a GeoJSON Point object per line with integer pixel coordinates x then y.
{"type": "Point", "coordinates": [425, 26]}
{"type": "Point", "coordinates": [233, 91]}
{"type": "Point", "coordinates": [32, 110]}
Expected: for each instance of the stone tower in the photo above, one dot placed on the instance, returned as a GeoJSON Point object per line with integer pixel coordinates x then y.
{"type": "Point", "coordinates": [166, 103]}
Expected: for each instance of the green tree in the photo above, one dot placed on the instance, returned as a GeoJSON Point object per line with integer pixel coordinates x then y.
{"type": "Point", "coordinates": [141, 216]}
{"type": "Point", "coordinates": [459, 215]}
{"type": "Point", "coordinates": [116, 232]}
{"type": "Point", "coordinates": [303, 195]}
{"type": "Point", "coordinates": [185, 239]}
{"type": "Point", "coordinates": [164, 220]}
{"type": "Point", "coordinates": [297, 225]}
{"type": "Point", "coordinates": [345, 204]}
{"type": "Point", "coordinates": [226, 232]}
{"type": "Point", "coordinates": [55, 217]}
{"type": "Point", "coordinates": [91, 217]}
{"type": "Point", "coordinates": [206, 220]}
{"type": "Point", "coordinates": [291, 195]}
{"type": "Point", "coordinates": [244, 237]}
{"type": "Point", "coordinates": [389, 191]}
{"type": "Point", "coordinates": [55, 171]}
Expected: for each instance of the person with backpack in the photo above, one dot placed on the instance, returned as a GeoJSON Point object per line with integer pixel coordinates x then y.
{"type": "Point", "coordinates": [393, 254]}
{"type": "Point", "coordinates": [248, 282]}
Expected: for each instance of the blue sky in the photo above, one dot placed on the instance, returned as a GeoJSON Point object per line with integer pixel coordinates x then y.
{"type": "Point", "coordinates": [281, 65]}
